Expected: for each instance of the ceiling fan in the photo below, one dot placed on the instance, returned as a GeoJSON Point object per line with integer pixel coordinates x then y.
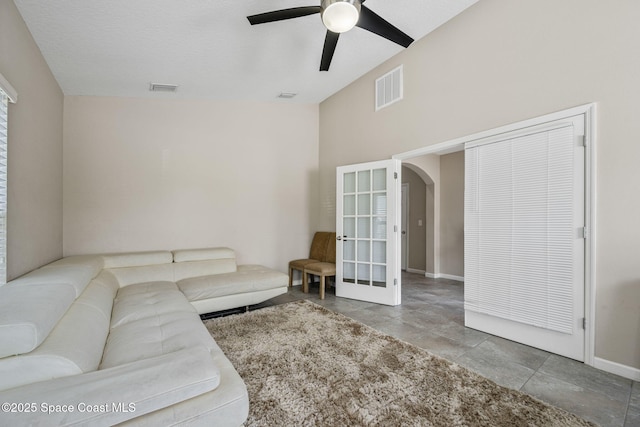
{"type": "Point", "coordinates": [338, 16]}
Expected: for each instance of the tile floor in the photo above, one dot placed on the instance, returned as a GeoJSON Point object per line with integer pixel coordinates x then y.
{"type": "Point", "coordinates": [431, 316]}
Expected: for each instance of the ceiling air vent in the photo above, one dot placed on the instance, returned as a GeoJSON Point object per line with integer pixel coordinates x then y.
{"type": "Point", "coordinates": [389, 88]}
{"type": "Point", "coordinates": [157, 87]}
{"type": "Point", "coordinates": [287, 95]}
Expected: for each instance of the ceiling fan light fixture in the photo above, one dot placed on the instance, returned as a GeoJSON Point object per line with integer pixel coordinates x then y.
{"type": "Point", "coordinates": [340, 15]}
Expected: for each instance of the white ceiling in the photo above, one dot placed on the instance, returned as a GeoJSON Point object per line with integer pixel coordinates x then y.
{"type": "Point", "coordinates": [209, 49]}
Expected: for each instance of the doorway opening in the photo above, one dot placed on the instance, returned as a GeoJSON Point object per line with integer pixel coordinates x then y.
{"type": "Point", "coordinates": [417, 225]}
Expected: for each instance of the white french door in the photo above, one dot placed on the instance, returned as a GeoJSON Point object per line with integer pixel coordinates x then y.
{"type": "Point", "coordinates": [525, 237]}
{"type": "Point", "coordinates": [367, 229]}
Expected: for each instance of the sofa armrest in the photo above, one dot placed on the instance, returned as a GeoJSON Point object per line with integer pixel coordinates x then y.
{"type": "Point", "coordinates": [113, 395]}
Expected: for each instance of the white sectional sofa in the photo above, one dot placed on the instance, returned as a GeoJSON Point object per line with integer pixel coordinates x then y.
{"type": "Point", "coordinates": [117, 339]}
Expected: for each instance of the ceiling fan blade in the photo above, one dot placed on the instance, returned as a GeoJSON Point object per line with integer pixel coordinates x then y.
{"type": "Point", "coordinates": [370, 21]}
{"type": "Point", "coordinates": [330, 43]}
{"type": "Point", "coordinates": [279, 15]}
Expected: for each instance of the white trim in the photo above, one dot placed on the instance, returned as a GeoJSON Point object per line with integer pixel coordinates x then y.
{"type": "Point", "coordinates": [406, 190]}
{"type": "Point", "coordinates": [12, 94]}
{"type": "Point", "coordinates": [444, 276]}
{"type": "Point", "coordinates": [457, 144]}
{"type": "Point", "coordinates": [617, 368]}
{"type": "Point", "coordinates": [450, 277]}
{"type": "Point", "coordinates": [415, 271]}
{"type": "Point", "coordinates": [590, 244]}
{"type": "Point", "coordinates": [589, 111]}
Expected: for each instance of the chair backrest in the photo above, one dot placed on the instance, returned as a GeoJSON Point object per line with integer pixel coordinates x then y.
{"type": "Point", "coordinates": [330, 253]}
{"type": "Point", "coordinates": [319, 245]}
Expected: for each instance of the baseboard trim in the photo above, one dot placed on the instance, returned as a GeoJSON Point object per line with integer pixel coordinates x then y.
{"type": "Point", "coordinates": [617, 368]}
{"type": "Point", "coordinates": [415, 270]}
{"type": "Point", "coordinates": [444, 276]}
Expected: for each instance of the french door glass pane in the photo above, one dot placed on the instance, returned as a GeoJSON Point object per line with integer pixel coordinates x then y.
{"type": "Point", "coordinates": [364, 227]}
{"type": "Point", "coordinates": [364, 254]}
{"type": "Point", "coordinates": [349, 205]}
{"type": "Point", "coordinates": [380, 204]}
{"type": "Point", "coordinates": [349, 272]}
{"type": "Point", "coordinates": [379, 228]}
{"type": "Point", "coordinates": [380, 252]}
{"type": "Point", "coordinates": [364, 204]}
{"type": "Point", "coordinates": [379, 179]}
{"type": "Point", "coordinates": [364, 181]}
{"type": "Point", "coordinates": [349, 253]}
{"type": "Point", "coordinates": [350, 182]}
{"type": "Point", "coordinates": [349, 227]}
{"type": "Point", "coordinates": [379, 275]}
{"type": "Point", "coordinates": [364, 277]}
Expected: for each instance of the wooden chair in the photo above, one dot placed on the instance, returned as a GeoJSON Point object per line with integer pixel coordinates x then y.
{"type": "Point", "coordinates": [317, 253]}
{"type": "Point", "coordinates": [324, 269]}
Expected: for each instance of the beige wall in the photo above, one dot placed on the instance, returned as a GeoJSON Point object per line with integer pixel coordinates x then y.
{"type": "Point", "coordinates": [143, 174]}
{"type": "Point", "coordinates": [34, 234]}
{"type": "Point", "coordinates": [501, 62]}
{"type": "Point", "coordinates": [452, 214]}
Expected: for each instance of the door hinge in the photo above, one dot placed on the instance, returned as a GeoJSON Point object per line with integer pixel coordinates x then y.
{"type": "Point", "coordinates": [582, 140]}
{"type": "Point", "coordinates": [395, 282]}
{"type": "Point", "coordinates": [395, 175]}
{"type": "Point", "coordinates": [584, 323]}
{"type": "Point", "coordinates": [585, 234]}
{"type": "Point", "coordinates": [395, 228]}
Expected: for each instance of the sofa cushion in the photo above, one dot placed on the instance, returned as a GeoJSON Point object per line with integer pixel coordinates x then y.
{"type": "Point", "coordinates": [76, 275]}
{"type": "Point", "coordinates": [144, 300]}
{"type": "Point", "coordinates": [29, 313]}
{"type": "Point", "coordinates": [203, 262]}
{"type": "Point", "coordinates": [227, 405]}
{"type": "Point", "coordinates": [96, 262]}
{"type": "Point", "coordinates": [203, 254]}
{"type": "Point", "coordinates": [248, 278]}
{"type": "Point", "coordinates": [154, 336]}
{"type": "Point", "coordinates": [148, 273]}
{"type": "Point", "coordinates": [125, 392]}
{"type": "Point", "coordinates": [74, 346]}
{"type": "Point", "coordinates": [137, 259]}
{"type": "Point", "coordinates": [100, 294]}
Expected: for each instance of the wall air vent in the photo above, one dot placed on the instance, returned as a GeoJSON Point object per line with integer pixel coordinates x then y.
{"type": "Point", "coordinates": [157, 87]}
{"type": "Point", "coordinates": [389, 88]}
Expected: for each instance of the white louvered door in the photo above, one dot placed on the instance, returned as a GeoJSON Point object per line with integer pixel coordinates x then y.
{"type": "Point", "coordinates": [524, 241]}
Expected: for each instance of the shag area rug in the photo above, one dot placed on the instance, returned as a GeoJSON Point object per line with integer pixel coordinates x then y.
{"type": "Point", "coordinates": [305, 365]}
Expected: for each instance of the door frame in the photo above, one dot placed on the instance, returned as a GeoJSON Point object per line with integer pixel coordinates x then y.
{"type": "Point", "coordinates": [404, 205]}
{"type": "Point", "coordinates": [589, 112]}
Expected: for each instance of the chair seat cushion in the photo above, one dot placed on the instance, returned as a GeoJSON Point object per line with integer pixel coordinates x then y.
{"type": "Point", "coordinates": [321, 268]}
{"type": "Point", "coordinates": [300, 264]}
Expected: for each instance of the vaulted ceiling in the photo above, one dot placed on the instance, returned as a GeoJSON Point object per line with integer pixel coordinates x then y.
{"type": "Point", "coordinates": [209, 49]}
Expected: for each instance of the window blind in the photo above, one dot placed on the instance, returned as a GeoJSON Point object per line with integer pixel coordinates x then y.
{"type": "Point", "coordinates": [519, 229]}
{"type": "Point", "coordinates": [4, 108]}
